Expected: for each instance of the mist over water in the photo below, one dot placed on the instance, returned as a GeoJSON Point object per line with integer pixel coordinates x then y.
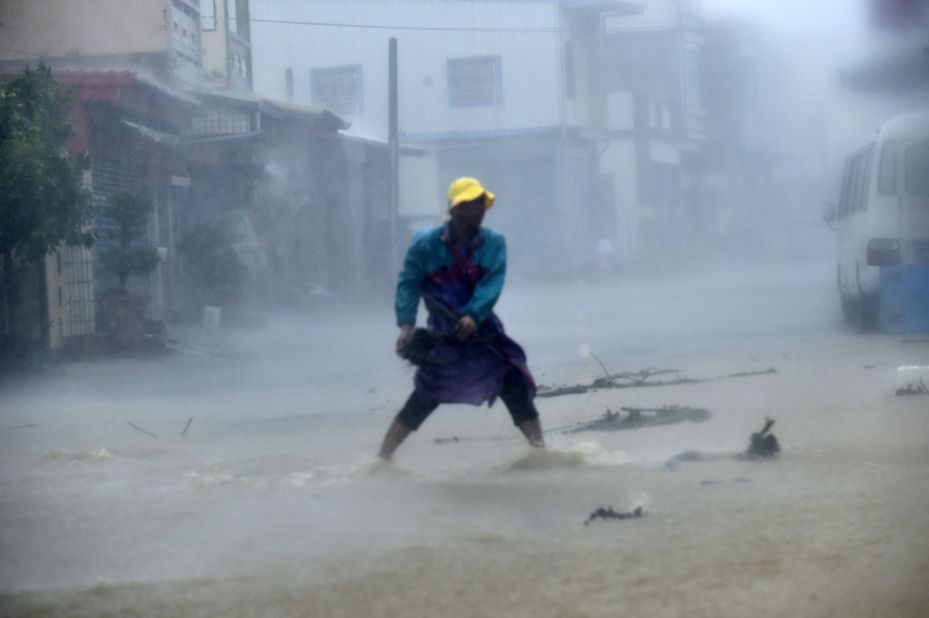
{"type": "Point", "coordinates": [271, 501]}
{"type": "Point", "coordinates": [234, 473]}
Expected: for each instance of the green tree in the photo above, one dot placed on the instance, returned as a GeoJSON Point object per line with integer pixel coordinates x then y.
{"type": "Point", "coordinates": [129, 211]}
{"type": "Point", "coordinates": [42, 201]}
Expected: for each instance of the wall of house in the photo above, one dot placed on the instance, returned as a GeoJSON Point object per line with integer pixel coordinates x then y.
{"type": "Point", "coordinates": [215, 64]}
{"type": "Point", "coordinates": [82, 27]}
{"type": "Point", "coordinates": [619, 162]}
{"type": "Point", "coordinates": [529, 60]}
{"type": "Point", "coordinates": [158, 37]}
{"type": "Point", "coordinates": [654, 112]}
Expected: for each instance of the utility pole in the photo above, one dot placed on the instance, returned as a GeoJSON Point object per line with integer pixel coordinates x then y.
{"type": "Point", "coordinates": [393, 144]}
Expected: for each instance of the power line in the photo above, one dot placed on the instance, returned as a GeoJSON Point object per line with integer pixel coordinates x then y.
{"type": "Point", "coordinates": [542, 30]}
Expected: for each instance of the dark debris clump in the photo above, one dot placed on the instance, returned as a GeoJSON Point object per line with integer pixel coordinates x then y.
{"type": "Point", "coordinates": [609, 513]}
{"type": "Point", "coordinates": [914, 389]}
{"type": "Point", "coordinates": [762, 443]}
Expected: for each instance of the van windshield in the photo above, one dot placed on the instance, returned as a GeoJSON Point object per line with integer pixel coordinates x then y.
{"type": "Point", "coordinates": [917, 169]}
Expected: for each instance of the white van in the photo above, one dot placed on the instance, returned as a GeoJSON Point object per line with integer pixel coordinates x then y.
{"type": "Point", "coordinates": [882, 217]}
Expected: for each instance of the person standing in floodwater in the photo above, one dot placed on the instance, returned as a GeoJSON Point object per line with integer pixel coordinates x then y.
{"type": "Point", "coordinates": [458, 269]}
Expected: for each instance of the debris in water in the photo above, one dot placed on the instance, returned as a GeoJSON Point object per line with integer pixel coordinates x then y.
{"type": "Point", "coordinates": [137, 428]}
{"type": "Point", "coordinates": [641, 417]}
{"type": "Point", "coordinates": [640, 378]}
{"type": "Point", "coordinates": [762, 443]}
{"type": "Point", "coordinates": [609, 513]}
{"type": "Point", "coordinates": [187, 426]}
{"type": "Point", "coordinates": [561, 390]}
{"type": "Point", "coordinates": [916, 388]}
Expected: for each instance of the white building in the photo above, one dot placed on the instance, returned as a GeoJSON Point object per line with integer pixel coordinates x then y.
{"type": "Point", "coordinates": [577, 113]}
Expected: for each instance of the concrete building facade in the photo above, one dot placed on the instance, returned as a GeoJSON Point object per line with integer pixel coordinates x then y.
{"type": "Point", "coordinates": [581, 115]}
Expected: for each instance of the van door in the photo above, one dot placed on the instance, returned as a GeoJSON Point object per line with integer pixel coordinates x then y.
{"type": "Point", "coordinates": [914, 215]}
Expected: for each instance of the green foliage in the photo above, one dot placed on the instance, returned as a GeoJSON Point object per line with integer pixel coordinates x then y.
{"type": "Point", "coordinates": [133, 261]}
{"type": "Point", "coordinates": [212, 264]}
{"type": "Point", "coordinates": [129, 211]}
{"type": "Point", "coordinates": [42, 200]}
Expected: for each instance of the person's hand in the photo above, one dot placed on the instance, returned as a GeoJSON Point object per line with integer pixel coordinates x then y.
{"type": "Point", "coordinates": [466, 327]}
{"type": "Point", "coordinates": [406, 333]}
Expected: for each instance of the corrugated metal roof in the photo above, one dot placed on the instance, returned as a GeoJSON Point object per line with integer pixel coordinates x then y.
{"type": "Point", "coordinates": [279, 110]}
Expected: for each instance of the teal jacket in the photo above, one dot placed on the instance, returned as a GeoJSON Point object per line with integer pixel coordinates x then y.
{"type": "Point", "coordinates": [466, 279]}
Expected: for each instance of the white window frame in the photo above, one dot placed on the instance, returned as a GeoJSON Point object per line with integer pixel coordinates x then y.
{"type": "Point", "coordinates": [208, 15]}
{"type": "Point", "coordinates": [458, 95]}
{"type": "Point", "coordinates": [355, 106]}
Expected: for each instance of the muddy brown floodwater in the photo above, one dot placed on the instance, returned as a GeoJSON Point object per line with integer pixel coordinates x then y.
{"type": "Point", "coordinates": [269, 505]}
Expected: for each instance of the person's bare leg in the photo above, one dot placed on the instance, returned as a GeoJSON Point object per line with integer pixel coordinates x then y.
{"type": "Point", "coordinates": [394, 437]}
{"type": "Point", "coordinates": [533, 432]}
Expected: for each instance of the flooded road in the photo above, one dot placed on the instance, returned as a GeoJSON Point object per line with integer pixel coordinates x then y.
{"type": "Point", "coordinates": [270, 503]}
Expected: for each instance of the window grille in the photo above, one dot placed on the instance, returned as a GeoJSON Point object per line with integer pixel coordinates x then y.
{"type": "Point", "coordinates": [76, 297]}
{"type": "Point", "coordinates": [208, 14]}
{"type": "Point", "coordinates": [216, 122]}
{"type": "Point", "coordinates": [338, 89]}
{"type": "Point", "coordinates": [474, 81]}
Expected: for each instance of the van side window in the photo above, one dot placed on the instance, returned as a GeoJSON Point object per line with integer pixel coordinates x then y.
{"type": "Point", "coordinates": [887, 176]}
{"type": "Point", "coordinates": [852, 204]}
{"type": "Point", "coordinates": [864, 179]}
{"type": "Point", "coordinates": [848, 206]}
{"type": "Point", "coordinates": [917, 170]}
{"type": "Point", "coordinates": [846, 188]}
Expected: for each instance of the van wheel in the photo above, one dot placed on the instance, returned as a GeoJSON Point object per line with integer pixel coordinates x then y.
{"type": "Point", "coordinates": [849, 309]}
{"type": "Point", "coordinates": [869, 312]}
{"type": "Point", "coordinates": [848, 302]}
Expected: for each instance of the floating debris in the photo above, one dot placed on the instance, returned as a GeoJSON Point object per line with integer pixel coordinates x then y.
{"type": "Point", "coordinates": [762, 443]}
{"type": "Point", "coordinates": [911, 380]}
{"type": "Point", "coordinates": [641, 378]}
{"type": "Point", "coordinates": [137, 428]}
{"type": "Point", "coordinates": [636, 418]}
{"type": "Point", "coordinates": [916, 388]}
{"type": "Point", "coordinates": [609, 513]}
{"type": "Point", "coordinates": [187, 426]}
{"type": "Point", "coordinates": [562, 390]}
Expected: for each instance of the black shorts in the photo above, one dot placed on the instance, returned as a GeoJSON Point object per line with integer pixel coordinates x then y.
{"type": "Point", "coordinates": [514, 393]}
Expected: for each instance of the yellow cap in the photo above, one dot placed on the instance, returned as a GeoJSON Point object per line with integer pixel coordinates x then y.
{"type": "Point", "coordinates": [466, 189]}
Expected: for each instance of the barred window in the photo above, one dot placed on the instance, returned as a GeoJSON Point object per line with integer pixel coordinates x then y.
{"type": "Point", "coordinates": [474, 81]}
{"type": "Point", "coordinates": [208, 14]}
{"type": "Point", "coordinates": [338, 89]}
{"type": "Point", "coordinates": [220, 122]}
